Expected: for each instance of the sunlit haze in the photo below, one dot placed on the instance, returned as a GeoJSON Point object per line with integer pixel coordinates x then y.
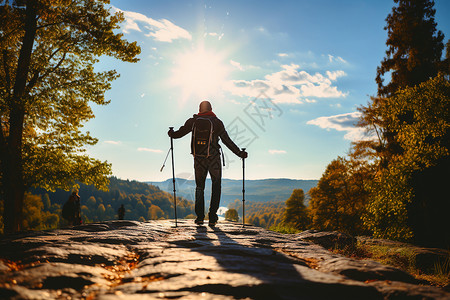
{"type": "Point", "coordinates": [199, 73]}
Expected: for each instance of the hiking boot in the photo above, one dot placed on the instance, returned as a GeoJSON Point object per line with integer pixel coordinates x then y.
{"type": "Point", "coordinates": [198, 222]}
{"type": "Point", "coordinates": [212, 223]}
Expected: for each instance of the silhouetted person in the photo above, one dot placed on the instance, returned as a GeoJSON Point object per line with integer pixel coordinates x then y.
{"type": "Point", "coordinates": [71, 209]}
{"type": "Point", "coordinates": [206, 130]}
{"type": "Point", "coordinates": [121, 212]}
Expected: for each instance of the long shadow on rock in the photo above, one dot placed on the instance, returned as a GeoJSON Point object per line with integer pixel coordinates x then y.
{"type": "Point", "coordinates": [277, 276]}
{"type": "Point", "coordinates": [61, 282]}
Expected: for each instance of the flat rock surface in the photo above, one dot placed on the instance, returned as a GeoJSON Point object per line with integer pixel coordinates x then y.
{"type": "Point", "coordinates": [156, 260]}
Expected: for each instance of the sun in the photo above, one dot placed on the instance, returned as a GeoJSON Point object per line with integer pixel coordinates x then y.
{"type": "Point", "coordinates": [199, 73]}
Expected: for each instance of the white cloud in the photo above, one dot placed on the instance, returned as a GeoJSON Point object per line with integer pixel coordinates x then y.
{"type": "Point", "coordinates": [149, 150]}
{"type": "Point", "coordinates": [337, 105]}
{"type": "Point", "coordinates": [344, 122]}
{"type": "Point", "coordinates": [277, 152]}
{"type": "Point", "coordinates": [214, 34]}
{"type": "Point", "coordinates": [290, 85]}
{"type": "Point", "coordinates": [332, 58]}
{"type": "Point", "coordinates": [335, 74]}
{"type": "Point", "coordinates": [236, 65]}
{"type": "Point", "coordinates": [242, 67]}
{"type": "Point", "coordinates": [283, 55]}
{"type": "Point", "coordinates": [112, 142]}
{"type": "Point", "coordinates": [162, 30]}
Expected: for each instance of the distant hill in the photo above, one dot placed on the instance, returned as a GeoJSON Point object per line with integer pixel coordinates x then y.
{"type": "Point", "coordinates": [255, 190]}
{"type": "Point", "coordinates": [141, 201]}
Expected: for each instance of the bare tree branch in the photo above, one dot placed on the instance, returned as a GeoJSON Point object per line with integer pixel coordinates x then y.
{"type": "Point", "coordinates": [36, 76]}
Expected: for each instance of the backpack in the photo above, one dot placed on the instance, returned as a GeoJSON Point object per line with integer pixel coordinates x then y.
{"type": "Point", "coordinates": [202, 131]}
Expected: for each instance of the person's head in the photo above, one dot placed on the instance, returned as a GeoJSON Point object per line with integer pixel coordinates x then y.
{"type": "Point", "coordinates": [205, 106]}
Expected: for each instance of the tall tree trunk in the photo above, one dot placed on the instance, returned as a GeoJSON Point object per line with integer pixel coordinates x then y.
{"type": "Point", "coordinates": [13, 177]}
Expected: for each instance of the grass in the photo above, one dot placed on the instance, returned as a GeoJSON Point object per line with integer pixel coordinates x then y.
{"type": "Point", "coordinates": [284, 229]}
{"type": "Point", "coordinates": [404, 258]}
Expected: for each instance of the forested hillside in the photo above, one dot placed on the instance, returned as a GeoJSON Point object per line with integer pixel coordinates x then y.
{"type": "Point", "coordinates": [42, 209]}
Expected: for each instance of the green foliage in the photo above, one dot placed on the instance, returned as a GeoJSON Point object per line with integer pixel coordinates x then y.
{"type": "Point", "coordinates": [36, 218]}
{"type": "Point", "coordinates": [232, 215]}
{"type": "Point", "coordinates": [404, 257]}
{"type": "Point", "coordinates": [295, 215]}
{"type": "Point", "coordinates": [48, 52]}
{"type": "Point", "coordinates": [413, 56]}
{"type": "Point", "coordinates": [262, 214]}
{"type": "Point", "coordinates": [70, 35]}
{"type": "Point", "coordinates": [141, 201]}
{"type": "Point", "coordinates": [283, 228]}
{"type": "Point", "coordinates": [421, 118]}
{"type": "Point", "coordinates": [338, 202]}
{"type": "Point", "coordinates": [386, 213]}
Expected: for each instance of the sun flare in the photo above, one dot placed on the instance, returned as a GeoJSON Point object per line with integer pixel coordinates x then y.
{"type": "Point", "coordinates": [199, 73]}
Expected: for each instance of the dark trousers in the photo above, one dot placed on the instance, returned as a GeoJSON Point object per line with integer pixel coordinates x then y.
{"type": "Point", "coordinates": [203, 165]}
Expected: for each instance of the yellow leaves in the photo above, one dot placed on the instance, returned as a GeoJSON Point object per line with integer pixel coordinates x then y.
{"type": "Point", "coordinates": [61, 83]}
{"type": "Point", "coordinates": [420, 118]}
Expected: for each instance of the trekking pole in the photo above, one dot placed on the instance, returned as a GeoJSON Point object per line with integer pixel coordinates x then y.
{"type": "Point", "coordinates": [173, 179]}
{"type": "Point", "coordinates": [243, 190]}
{"type": "Point", "coordinates": [164, 163]}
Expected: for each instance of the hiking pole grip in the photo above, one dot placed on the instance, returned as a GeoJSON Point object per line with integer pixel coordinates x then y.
{"type": "Point", "coordinates": [243, 190]}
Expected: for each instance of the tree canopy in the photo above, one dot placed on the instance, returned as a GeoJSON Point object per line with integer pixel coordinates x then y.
{"type": "Point", "coordinates": [409, 194]}
{"type": "Point", "coordinates": [413, 56]}
{"type": "Point", "coordinates": [48, 78]}
{"type": "Point", "coordinates": [414, 46]}
{"type": "Point", "coordinates": [295, 214]}
{"type": "Point", "coordinates": [232, 215]}
{"type": "Point", "coordinates": [338, 201]}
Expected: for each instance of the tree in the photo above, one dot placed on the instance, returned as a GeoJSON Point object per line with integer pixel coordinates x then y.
{"type": "Point", "coordinates": [410, 195]}
{"type": "Point", "coordinates": [232, 215]}
{"type": "Point", "coordinates": [414, 46]}
{"type": "Point", "coordinates": [413, 56]}
{"type": "Point", "coordinates": [339, 199]}
{"type": "Point", "coordinates": [155, 213]}
{"type": "Point", "coordinates": [48, 53]}
{"type": "Point", "coordinates": [36, 218]}
{"type": "Point", "coordinates": [295, 214]}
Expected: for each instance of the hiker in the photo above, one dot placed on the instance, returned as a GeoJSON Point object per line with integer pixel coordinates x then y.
{"type": "Point", "coordinates": [206, 130]}
{"type": "Point", "coordinates": [121, 212]}
{"type": "Point", "coordinates": [71, 209]}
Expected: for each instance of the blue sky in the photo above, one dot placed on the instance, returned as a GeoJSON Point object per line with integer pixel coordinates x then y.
{"type": "Point", "coordinates": [285, 77]}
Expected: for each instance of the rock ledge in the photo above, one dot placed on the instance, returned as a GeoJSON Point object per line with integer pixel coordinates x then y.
{"type": "Point", "coordinates": [155, 260]}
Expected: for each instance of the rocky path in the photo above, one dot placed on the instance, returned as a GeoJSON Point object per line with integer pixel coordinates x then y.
{"type": "Point", "coordinates": [155, 260]}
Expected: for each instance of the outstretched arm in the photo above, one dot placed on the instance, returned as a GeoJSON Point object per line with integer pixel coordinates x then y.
{"type": "Point", "coordinates": [231, 145]}
{"type": "Point", "coordinates": [185, 129]}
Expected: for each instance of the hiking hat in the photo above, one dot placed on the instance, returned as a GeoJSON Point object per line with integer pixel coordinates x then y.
{"type": "Point", "coordinates": [205, 106]}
